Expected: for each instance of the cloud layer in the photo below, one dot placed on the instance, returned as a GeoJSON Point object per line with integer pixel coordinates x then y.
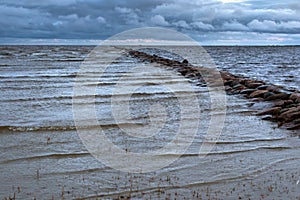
{"type": "Point", "coordinates": [201, 19]}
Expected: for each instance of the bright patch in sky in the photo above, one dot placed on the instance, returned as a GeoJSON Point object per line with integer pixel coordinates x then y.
{"type": "Point", "coordinates": [231, 1]}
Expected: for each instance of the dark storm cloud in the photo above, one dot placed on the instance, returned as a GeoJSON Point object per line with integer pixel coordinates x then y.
{"type": "Point", "coordinates": [99, 19]}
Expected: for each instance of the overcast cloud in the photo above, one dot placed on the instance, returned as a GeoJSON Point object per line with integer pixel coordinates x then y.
{"type": "Point", "coordinates": [209, 21]}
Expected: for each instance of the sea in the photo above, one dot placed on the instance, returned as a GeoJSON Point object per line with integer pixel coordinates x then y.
{"type": "Point", "coordinates": [44, 154]}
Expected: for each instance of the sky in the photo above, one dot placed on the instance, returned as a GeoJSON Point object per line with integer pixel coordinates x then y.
{"type": "Point", "coordinates": [211, 22]}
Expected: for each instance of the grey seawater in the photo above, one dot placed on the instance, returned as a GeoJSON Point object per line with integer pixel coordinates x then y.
{"type": "Point", "coordinates": [274, 64]}
{"type": "Point", "coordinates": [42, 155]}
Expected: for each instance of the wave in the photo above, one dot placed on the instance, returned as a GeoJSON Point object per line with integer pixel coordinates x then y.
{"type": "Point", "coordinates": [42, 58]}
{"type": "Point", "coordinates": [38, 99]}
{"type": "Point", "coordinates": [49, 156]}
{"type": "Point", "coordinates": [32, 129]}
{"type": "Point", "coordinates": [81, 99]}
{"type": "Point", "coordinates": [275, 148]}
{"type": "Point", "coordinates": [62, 128]}
{"type": "Point", "coordinates": [247, 141]}
{"type": "Point", "coordinates": [39, 76]}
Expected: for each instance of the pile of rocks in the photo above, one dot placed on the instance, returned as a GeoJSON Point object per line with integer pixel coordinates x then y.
{"type": "Point", "coordinates": [285, 106]}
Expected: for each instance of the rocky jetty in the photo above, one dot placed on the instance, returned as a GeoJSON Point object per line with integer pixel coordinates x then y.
{"type": "Point", "coordinates": [284, 104]}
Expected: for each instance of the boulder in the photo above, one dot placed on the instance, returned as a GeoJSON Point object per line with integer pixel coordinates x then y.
{"type": "Point", "coordinates": [295, 97]}
{"type": "Point", "coordinates": [248, 91]}
{"type": "Point", "coordinates": [257, 99]}
{"type": "Point", "coordinates": [243, 81]}
{"type": "Point", "coordinates": [268, 118]}
{"type": "Point", "coordinates": [185, 62]}
{"type": "Point", "coordinates": [291, 105]}
{"type": "Point", "coordinates": [262, 87]}
{"type": "Point", "coordinates": [282, 103]}
{"type": "Point", "coordinates": [284, 91]}
{"type": "Point", "coordinates": [273, 88]}
{"type": "Point", "coordinates": [233, 92]}
{"type": "Point", "coordinates": [235, 82]}
{"type": "Point", "coordinates": [227, 88]}
{"type": "Point", "coordinates": [294, 115]}
{"type": "Point", "coordinates": [228, 82]}
{"type": "Point", "coordinates": [254, 85]}
{"type": "Point", "coordinates": [284, 110]}
{"type": "Point", "coordinates": [270, 111]}
{"type": "Point", "coordinates": [297, 121]}
{"type": "Point", "coordinates": [258, 93]}
{"type": "Point", "coordinates": [238, 87]}
{"type": "Point", "coordinates": [280, 96]}
{"type": "Point", "coordinates": [190, 75]}
{"type": "Point", "coordinates": [267, 94]}
{"type": "Point", "coordinates": [294, 127]}
{"type": "Point", "coordinates": [279, 103]}
{"type": "Point", "coordinates": [290, 115]}
{"type": "Point", "coordinates": [183, 71]}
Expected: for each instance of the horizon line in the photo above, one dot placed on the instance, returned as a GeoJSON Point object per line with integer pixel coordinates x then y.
{"type": "Point", "coordinates": [145, 41]}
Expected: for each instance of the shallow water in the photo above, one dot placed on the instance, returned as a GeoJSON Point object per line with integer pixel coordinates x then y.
{"type": "Point", "coordinates": [42, 155]}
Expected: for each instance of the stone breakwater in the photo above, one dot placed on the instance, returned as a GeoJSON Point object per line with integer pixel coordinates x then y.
{"type": "Point", "coordinates": [283, 107]}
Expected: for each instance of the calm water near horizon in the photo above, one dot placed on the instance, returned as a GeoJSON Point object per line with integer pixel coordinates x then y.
{"type": "Point", "coordinates": [42, 156]}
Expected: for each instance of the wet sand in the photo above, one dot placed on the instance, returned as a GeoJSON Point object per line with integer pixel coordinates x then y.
{"type": "Point", "coordinates": [244, 163]}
